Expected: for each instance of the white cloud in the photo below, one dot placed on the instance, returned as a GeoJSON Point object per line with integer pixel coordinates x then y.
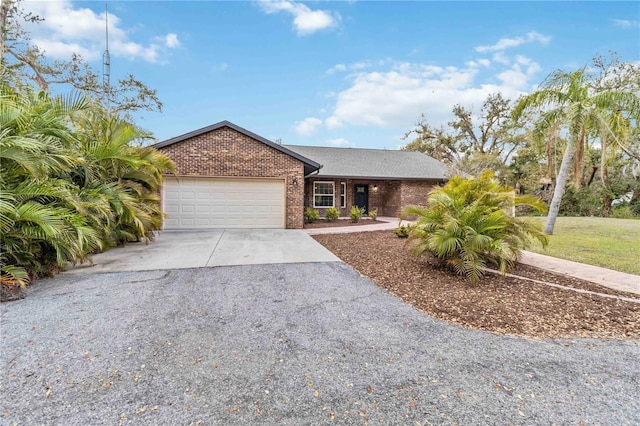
{"type": "Point", "coordinates": [308, 126]}
{"type": "Point", "coordinates": [501, 58]}
{"type": "Point", "coordinates": [340, 142]}
{"type": "Point", "coordinates": [171, 41]}
{"type": "Point", "coordinates": [356, 66]}
{"type": "Point", "coordinates": [305, 20]}
{"type": "Point", "coordinates": [507, 43]}
{"type": "Point", "coordinates": [69, 29]}
{"type": "Point", "coordinates": [397, 96]}
{"type": "Point", "coordinates": [58, 49]}
{"type": "Point", "coordinates": [518, 78]}
{"type": "Point", "coordinates": [219, 68]}
{"type": "Point", "coordinates": [336, 68]}
{"type": "Point", "coordinates": [625, 23]}
{"type": "Point", "coordinates": [484, 62]}
{"type": "Point", "coordinates": [333, 122]}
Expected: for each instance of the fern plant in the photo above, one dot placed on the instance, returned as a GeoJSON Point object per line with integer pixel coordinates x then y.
{"type": "Point", "coordinates": [468, 225]}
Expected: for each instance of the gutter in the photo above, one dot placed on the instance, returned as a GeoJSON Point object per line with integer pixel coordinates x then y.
{"type": "Point", "coordinates": [315, 172]}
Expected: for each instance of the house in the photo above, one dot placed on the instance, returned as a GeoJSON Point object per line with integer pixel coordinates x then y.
{"type": "Point", "coordinates": [386, 180]}
{"type": "Point", "coordinates": [229, 177]}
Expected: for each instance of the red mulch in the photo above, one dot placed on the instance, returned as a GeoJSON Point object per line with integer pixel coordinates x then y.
{"type": "Point", "coordinates": [507, 305]}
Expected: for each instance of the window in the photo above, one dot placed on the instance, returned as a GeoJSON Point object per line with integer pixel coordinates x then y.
{"type": "Point", "coordinates": [343, 195]}
{"type": "Point", "coordinates": [323, 194]}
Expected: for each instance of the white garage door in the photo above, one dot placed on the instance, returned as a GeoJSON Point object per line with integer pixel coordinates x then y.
{"type": "Point", "coordinates": [223, 203]}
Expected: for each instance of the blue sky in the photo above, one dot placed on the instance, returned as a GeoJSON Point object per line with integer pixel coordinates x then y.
{"type": "Point", "coordinates": [352, 73]}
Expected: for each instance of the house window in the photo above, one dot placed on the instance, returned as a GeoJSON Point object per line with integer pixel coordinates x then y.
{"type": "Point", "coordinates": [323, 194]}
{"type": "Point", "coordinates": [343, 195]}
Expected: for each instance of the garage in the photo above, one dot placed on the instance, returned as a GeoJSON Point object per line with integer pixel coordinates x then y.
{"type": "Point", "coordinates": [194, 202]}
{"type": "Point", "coordinates": [224, 176]}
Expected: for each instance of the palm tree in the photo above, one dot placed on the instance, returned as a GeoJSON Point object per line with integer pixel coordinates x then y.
{"type": "Point", "coordinates": [123, 174]}
{"type": "Point", "coordinates": [39, 229]}
{"type": "Point", "coordinates": [568, 99]}
{"type": "Point", "coordinates": [467, 224]}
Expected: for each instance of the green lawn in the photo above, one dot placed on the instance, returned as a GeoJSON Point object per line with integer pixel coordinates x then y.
{"type": "Point", "coordinates": [610, 243]}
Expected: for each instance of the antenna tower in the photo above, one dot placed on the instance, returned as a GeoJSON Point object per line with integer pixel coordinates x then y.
{"type": "Point", "coordinates": [106, 60]}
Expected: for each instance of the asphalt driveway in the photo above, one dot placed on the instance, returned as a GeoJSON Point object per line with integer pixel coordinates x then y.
{"type": "Point", "coordinates": [210, 247]}
{"type": "Point", "coordinates": [291, 344]}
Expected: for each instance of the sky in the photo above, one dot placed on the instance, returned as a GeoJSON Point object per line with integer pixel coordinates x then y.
{"type": "Point", "coordinates": [332, 73]}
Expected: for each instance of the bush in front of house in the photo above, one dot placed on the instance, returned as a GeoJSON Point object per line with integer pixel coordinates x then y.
{"type": "Point", "coordinates": [468, 225]}
{"type": "Point", "coordinates": [402, 231]}
{"type": "Point", "coordinates": [331, 214]}
{"type": "Point", "coordinates": [311, 215]}
{"type": "Point", "coordinates": [356, 213]}
{"type": "Point", "coordinates": [373, 214]}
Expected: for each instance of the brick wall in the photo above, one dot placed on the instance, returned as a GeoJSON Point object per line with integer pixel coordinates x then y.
{"type": "Point", "coordinates": [414, 193]}
{"type": "Point", "coordinates": [386, 198]}
{"type": "Point", "coordinates": [391, 197]}
{"type": "Point", "coordinates": [225, 152]}
{"type": "Point", "coordinates": [391, 200]}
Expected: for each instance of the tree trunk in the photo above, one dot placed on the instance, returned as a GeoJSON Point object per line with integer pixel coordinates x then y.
{"type": "Point", "coordinates": [606, 203]}
{"type": "Point", "coordinates": [4, 13]}
{"type": "Point", "coordinates": [592, 176]}
{"type": "Point", "coordinates": [550, 160]}
{"type": "Point", "coordinates": [561, 183]}
{"type": "Point", "coordinates": [578, 159]}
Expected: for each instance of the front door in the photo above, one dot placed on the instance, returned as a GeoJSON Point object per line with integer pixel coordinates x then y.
{"type": "Point", "coordinates": [361, 198]}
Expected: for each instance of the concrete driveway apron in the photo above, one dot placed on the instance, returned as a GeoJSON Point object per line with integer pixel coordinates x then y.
{"type": "Point", "coordinates": [208, 248]}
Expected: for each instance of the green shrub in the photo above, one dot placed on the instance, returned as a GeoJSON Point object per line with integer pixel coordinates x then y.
{"type": "Point", "coordinates": [311, 215]}
{"type": "Point", "coordinates": [331, 214]}
{"type": "Point", "coordinates": [582, 201]}
{"type": "Point", "coordinates": [402, 231]}
{"type": "Point", "coordinates": [467, 225]}
{"type": "Point", "coordinates": [356, 213]}
{"type": "Point", "coordinates": [373, 214]}
{"type": "Point", "coordinates": [622, 212]}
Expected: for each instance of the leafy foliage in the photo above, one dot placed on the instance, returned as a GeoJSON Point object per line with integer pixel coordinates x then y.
{"type": "Point", "coordinates": [28, 64]}
{"type": "Point", "coordinates": [572, 100]}
{"type": "Point", "coordinates": [472, 145]}
{"type": "Point", "coordinates": [373, 214]}
{"type": "Point", "coordinates": [468, 225]}
{"type": "Point", "coordinates": [311, 215]}
{"type": "Point", "coordinates": [402, 231]}
{"type": "Point", "coordinates": [71, 182]}
{"type": "Point", "coordinates": [331, 214]}
{"type": "Point", "coordinates": [356, 213]}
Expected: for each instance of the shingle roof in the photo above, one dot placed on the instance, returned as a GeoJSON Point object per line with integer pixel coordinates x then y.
{"type": "Point", "coordinates": [309, 165]}
{"type": "Point", "coordinates": [373, 163]}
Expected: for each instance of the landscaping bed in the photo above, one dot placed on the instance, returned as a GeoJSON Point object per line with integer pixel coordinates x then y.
{"type": "Point", "coordinates": [323, 223]}
{"type": "Point", "coordinates": [509, 305]}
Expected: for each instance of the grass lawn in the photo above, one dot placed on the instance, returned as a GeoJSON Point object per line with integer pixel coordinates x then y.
{"type": "Point", "coordinates": [610, 243]}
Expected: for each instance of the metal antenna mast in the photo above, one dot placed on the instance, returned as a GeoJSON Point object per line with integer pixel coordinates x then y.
{"type": "Point", "coordinates": [106, 60]}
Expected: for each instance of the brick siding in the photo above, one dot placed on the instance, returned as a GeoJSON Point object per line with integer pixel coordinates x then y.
{"type": "Point", "coordinates": [414, 193]}
{"type": "Point", "coordinates": [225, 152]}
{"type": "Point", "coordinates": [390, 198]}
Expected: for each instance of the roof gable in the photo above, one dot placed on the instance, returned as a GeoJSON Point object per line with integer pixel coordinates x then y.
{"type": "Point", "coordinates": [373, 163]}
{"type": "Point", "coordinates": [309, 165]}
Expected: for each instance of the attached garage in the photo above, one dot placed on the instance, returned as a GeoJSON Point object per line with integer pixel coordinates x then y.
{"type": "Point", "coordinates": [228, 177]}
{"type": "Point", "coordinates": [192, 203]}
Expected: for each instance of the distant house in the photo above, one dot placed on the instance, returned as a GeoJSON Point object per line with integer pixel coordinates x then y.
{"type": "Point", "coordinates": [229, 177]}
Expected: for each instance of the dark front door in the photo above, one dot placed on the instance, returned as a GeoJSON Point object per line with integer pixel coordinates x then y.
{"type": "Point", "coordinates": [361, 198]}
